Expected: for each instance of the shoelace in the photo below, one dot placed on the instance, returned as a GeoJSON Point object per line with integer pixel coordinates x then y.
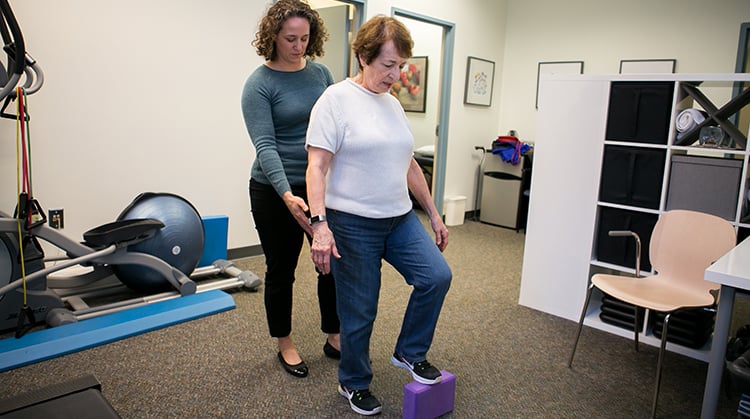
{"type": "Point", "coordinates": [361, 394]}
{"type": "Point", "coordinates": [422, 366]}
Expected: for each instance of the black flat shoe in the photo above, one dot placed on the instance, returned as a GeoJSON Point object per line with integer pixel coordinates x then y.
{"type": "Point", "coordinates": [297, 370]}
{"type": "Point", "coordinates": [330, 351]}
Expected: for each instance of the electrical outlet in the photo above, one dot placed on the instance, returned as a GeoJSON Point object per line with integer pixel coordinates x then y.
{"type": "Point", "coordinates": [56, 219]}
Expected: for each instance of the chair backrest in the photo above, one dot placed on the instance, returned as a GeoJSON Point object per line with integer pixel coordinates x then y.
{"type": "Point", "coordinates": [684, 243]}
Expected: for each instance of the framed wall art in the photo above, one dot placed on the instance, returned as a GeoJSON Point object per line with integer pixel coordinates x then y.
{"type": "Point", "coordinates": [480, 77]}
{"type": "Point", "coordinates": [411, 88]}
{"type": "Point", "coordinates": [556, 67]}
{"type": "Point", "coordinates": [647, 66]}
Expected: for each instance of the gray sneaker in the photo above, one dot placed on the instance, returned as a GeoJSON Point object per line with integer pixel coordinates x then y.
{"type": "Point", "coordinates": [422, 371]}
{"type": "Point", "coordinates": [361, 401]}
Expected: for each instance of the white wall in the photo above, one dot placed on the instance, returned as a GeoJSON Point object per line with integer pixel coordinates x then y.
{"type": "Point", "coordinates": [144, 96]}
{"type": "Point", "coordinates": [701, 35]}
{"type": "Point", "coordinates": [139, 96]}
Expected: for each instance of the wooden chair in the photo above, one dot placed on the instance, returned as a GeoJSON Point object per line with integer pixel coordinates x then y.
{"type": "Point", "coordinates": [683, 244]}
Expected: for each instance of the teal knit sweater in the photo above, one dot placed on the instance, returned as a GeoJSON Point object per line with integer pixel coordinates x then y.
{"type": "Point", "coordinates": [276, 106]}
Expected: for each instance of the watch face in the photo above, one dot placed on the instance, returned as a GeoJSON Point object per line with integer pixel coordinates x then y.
{"type": "Point", "coordinates": [317, 219]}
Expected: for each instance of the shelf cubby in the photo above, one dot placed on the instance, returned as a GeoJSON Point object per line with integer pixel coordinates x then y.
{"type": "Point", "coordinates": [716, 116]}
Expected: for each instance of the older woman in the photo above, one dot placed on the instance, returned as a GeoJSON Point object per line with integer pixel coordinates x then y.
{"type": "Point", "coordinates": [360, 171]}
{"type": "Point", "coordinates": [276, 103]}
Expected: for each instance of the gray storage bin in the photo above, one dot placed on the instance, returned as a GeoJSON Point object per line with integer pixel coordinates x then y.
{"type": "Point", "coordinates": [705, 184]}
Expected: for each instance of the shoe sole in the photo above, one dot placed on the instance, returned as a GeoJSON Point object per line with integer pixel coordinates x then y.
{"type": "Point", "coordinates": [416, 376]}
{"type": "Point", "coordinates": [357, 409]}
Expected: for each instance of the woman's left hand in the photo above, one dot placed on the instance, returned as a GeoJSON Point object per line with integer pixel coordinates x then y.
{"type": "Point", "coordinates": [441, 232]}
{"type": "Point", "coordinates": [323, 247]}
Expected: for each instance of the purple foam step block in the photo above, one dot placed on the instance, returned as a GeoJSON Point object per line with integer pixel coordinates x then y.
{"type": "Point", "coordinates": [423, 401]}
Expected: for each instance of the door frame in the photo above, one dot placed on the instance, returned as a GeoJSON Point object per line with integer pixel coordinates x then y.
{"type": "Point", "coordinates": [441, 148]}
{"type": "Point", "coordinates": [741, 67]}
{"type": "Point", "coordinates": [360, 7]}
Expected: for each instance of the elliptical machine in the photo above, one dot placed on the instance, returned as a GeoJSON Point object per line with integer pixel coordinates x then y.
{"type": "Point", "coordinates": [153, 247]}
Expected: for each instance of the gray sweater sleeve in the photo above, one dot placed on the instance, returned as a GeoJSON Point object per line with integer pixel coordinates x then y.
{"type": "Point", "coordinates": [257, 111]}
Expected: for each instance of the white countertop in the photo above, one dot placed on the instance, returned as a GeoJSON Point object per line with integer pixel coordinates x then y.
{"type": "Point", "coordinates": [733, 268]}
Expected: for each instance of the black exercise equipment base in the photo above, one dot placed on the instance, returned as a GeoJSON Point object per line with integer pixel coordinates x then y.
{"type": "Point", "coordinates": [80, 398]}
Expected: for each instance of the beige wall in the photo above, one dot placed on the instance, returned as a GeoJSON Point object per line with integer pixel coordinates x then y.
{"type": "Point", "coordinates": [144, 96]}
{"type": "Point", "coordinates": [702, 36]}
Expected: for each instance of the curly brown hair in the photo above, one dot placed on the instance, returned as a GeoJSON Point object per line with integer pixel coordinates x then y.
{"type": "Point", "coordinates": [375, 33]}
{"type": "Point", "coordinates": [277, 14]}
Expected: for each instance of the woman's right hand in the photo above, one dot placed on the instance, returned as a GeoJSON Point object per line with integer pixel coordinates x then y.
{"type": "Point", "coordinates": [298, 208]}
{"type": "Point", "coordinates": [323, 246]}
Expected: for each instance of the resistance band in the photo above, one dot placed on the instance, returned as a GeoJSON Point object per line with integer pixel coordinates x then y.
{"type": "Point", "coordinates": [25, 208]}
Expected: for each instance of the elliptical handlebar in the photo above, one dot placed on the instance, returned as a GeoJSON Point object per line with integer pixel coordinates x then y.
{"type": "Point", "coordinates": [19, 62]}
{"type": "Point", "coordinates": [37, 77]}
{"type": "Point", "coordinates": [15, 42]}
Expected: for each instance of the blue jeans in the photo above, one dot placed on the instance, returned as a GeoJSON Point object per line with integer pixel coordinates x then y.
{"type": "Point", "coordinates": [363, 244]}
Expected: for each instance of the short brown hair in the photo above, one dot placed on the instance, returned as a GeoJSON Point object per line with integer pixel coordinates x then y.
{"type": "Point", "coordinates": [375, 33]}
{"type": "Point", "coordinates": [271, 23]}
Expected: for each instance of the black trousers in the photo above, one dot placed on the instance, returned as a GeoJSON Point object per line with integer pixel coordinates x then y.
{"type": "Point", "coordinates": [281, 238]}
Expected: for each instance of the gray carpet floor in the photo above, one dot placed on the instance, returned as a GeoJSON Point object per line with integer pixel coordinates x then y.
{"type": "Point", "coordinates": [509, 360]}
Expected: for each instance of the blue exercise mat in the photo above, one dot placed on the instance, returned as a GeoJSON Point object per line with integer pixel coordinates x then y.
{"type": "Point", "coordinates": [58, 341]}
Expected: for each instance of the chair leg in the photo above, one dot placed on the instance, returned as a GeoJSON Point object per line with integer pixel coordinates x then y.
{"type": "Point", "coordinates": [635, 328]}
{"type": "Point", "coordinates": [580, 324]}
{"type": "Point", "coordinates": [662, 348]}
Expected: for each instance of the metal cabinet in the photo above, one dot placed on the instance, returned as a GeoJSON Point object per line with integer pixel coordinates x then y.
{"type": "Point", "coordinates": [505, 193]}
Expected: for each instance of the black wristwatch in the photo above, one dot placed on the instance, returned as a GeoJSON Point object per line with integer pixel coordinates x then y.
{"type": "Point", "coordinates": [317, 219]}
